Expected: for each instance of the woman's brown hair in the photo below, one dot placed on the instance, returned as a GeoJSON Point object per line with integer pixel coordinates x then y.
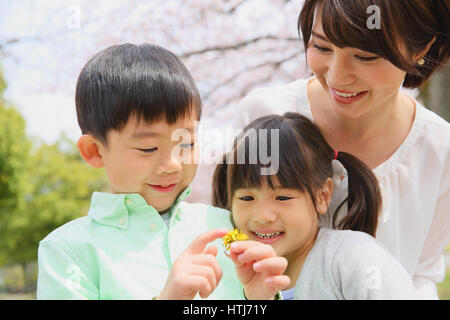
{"type": "Point", "coordinates": [406, 28]}
{"type": "Point", "coordinates": [304, 163]}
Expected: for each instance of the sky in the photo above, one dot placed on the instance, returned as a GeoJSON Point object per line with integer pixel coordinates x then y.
{"type": "Point", "coordinates": [40, 72]}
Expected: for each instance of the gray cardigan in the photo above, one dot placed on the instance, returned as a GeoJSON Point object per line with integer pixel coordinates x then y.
{"type": "Point", "coordinates": [346, 264]}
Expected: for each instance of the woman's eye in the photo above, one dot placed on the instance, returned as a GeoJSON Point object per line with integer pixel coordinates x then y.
{"type": "Point", "coordinates": [148, 150]}
{"type": "Point", "coordinates": [187, 145]}
{"type": "Point", "coordinates": [366, 58]}
{"type": "Point", "coordinates": [322, 49]}
{"type": "Point", "coordinates": [246, 198]}
{"type": "Point", "coordinates": [283, 198]}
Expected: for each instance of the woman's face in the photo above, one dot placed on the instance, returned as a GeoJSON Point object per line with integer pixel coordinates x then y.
{"type": "Point", "coordinates": [356, 82]}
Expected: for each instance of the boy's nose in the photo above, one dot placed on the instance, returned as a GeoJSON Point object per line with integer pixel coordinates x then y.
{"type": "Point", "coordinates": [169, 165]}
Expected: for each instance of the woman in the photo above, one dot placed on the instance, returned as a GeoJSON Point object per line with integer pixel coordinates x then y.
{"type": "Point", "coordinates": [359, 65]}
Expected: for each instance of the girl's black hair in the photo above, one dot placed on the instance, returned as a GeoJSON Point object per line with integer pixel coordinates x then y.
{"type": "Point", "coordinates": [305, 163]}
{"type": "Point", "coordinates": [146, 81]}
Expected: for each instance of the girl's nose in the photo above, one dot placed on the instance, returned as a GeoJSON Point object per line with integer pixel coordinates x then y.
{"type": "Point", "coordinates": [265, 214]}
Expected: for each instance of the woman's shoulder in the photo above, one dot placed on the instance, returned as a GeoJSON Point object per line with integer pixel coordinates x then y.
{"type": "Point", "coordinates": [278, 99]}
{"type": "Point", "coordinates": [432, 121]}
{"type": "Point", "coordinates": [433, 134]}
{"type": "Point", "coordinates": [295, 88]}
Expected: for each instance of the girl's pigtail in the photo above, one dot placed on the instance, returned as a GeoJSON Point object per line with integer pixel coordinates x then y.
{"type": "Point", "coordinates": [364, 198]}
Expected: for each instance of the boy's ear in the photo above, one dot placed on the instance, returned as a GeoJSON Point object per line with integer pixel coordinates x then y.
{"type": "Point", "coordinates": [324, 195]}
{"type": "Point", "coordinates": [89, 150]}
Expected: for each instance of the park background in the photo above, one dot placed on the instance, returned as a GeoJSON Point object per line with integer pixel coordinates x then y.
{"type": "Point", "coordinates": [230, 47]}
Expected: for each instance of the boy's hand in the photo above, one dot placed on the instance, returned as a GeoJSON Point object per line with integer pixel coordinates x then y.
{"type": "Point", "coordinates": [259, 269]}
{"type": "Point", "coordinates": [195, 270]}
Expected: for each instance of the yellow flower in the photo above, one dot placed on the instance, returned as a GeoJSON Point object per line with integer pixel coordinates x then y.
{"type": "Point", "coordinates": [233, 235]}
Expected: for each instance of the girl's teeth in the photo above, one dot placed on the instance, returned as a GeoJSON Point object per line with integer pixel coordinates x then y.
{"type": "Point", "coordinates": [345, 95]}
{"type": "Point", "coordinates": [267, 235]}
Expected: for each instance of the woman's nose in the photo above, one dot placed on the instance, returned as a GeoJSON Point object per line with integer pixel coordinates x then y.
{"type": "Point", "coordinates": [340, 71]}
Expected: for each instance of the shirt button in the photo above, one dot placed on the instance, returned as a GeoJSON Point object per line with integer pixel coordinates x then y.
{"type": "Point", "coordinates": [121, 221]}
{"type": "Point", "coordinates": [129, 201]}
{"type": "Point", "coordinates": [153, 227]}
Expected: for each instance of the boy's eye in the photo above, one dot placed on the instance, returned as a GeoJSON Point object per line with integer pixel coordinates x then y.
{"type": "Point", "coordinates": [246, 198]}
{"type": "Point", "coordinates": [283, 198]}
{"type": "Point", "coordinates": [187, 145]}
{"type": "Point", "coordinates": [322, 49]}
{"type": "Point", "coordinates": [366, 58]}
{"type": "Point", "coordinates": [148, 150]}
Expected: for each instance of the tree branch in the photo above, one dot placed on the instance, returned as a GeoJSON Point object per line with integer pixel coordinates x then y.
{"type": "Point", "coordinates": [234, 46]}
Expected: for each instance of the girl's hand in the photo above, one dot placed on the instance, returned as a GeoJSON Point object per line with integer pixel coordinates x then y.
{"type": "Point", "coordinates": [259, 269]}
{"type": "Point", "coordinates": [195, 270]}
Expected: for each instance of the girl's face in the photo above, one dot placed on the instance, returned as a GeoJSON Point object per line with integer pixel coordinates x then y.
{"type": "Point", "coordinates": [284, 218]}
{"type": "Point", "coordinates": [355, 81]}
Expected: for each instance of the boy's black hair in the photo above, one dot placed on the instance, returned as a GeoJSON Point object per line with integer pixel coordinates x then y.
{"type": "Point", "coordinates": [145, 80]}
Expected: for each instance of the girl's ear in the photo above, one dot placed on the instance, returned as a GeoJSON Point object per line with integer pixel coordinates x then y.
{"type": "Point", "coordinates": [89, 150]}
{"type": "Point", "coordinates": [323, 196]}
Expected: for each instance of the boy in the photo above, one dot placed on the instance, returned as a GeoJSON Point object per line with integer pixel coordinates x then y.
{"type": "Point", "coordinates": [140, 240]}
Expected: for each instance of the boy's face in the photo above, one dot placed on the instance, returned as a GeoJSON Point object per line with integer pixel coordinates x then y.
{"type": "Point", "coordinates": [143, 158]}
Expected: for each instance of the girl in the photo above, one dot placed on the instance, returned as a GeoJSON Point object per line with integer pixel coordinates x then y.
{"type": "Point", "coordinates": [354, 98]}
{"type": "Point", "coordinates": [283, 210]}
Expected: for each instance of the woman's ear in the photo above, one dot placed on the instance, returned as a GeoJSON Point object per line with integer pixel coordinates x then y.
{"type": "Point", "coordinates": [89, 150]}
{"type": "Point", "coordinates": [422, 54]}
{"type": "Point", "coordinates": [324, 195]}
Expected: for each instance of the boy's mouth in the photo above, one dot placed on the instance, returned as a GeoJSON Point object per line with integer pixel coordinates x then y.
{"type": "Point", "coordinates": [164, 187]}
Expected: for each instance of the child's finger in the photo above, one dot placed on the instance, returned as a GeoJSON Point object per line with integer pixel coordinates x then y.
{"type": "Point", "coordinates": [240, 246]}
{"type": "Point", "coordinates": [273, 265]}
{"type": "Point", "coordinates": [210, 262]}
{"type": "Point", "coordinates": [199, 243]}
{"type": "Point", "coordinates": [207, 273]}
{"type": "Point", "coordinates": [211, 249]}
{"type": "Point", "coordinates": [256, 253]}
{"type": "Point", "coordinates": [278, 283]}
{"type": "Point", "coordinates": [199, 284]}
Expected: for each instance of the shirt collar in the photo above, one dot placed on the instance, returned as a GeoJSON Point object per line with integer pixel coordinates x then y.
{"type": "Point", "coordinates": [113, 209]}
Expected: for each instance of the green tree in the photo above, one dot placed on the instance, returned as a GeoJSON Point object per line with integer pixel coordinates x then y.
{"type": "Point", "coordinates": [41, 188]}
{"type": "Point", "coordinates": [60, 188]}
{"type": "Point", "coordinates": [14, 165]}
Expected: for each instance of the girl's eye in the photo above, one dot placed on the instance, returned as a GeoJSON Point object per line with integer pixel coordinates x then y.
{"type": "Point", "coordinates": [148, 150]}
{"type": "Point", "coordinates": [366, 58]}
{"type": "Point", "coordinates": [283, 198]}
{"type": "Point", "coordinates": [187, 145]}
{"type": "Point", "coordinates": [246, 198]}
{"type": "Point", "coordinates": [322, 49]}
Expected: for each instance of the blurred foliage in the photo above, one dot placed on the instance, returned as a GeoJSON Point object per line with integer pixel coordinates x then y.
{"type": "Point", "coordinates": [59, 187]}
{"type": "Point", "coordinates": [41, 187]}
{"type": "Point", "coordinates": [435, 94]}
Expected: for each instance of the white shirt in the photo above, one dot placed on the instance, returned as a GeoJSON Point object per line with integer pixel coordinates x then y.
{"type": "Point", "coordinates": [415, 182]}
